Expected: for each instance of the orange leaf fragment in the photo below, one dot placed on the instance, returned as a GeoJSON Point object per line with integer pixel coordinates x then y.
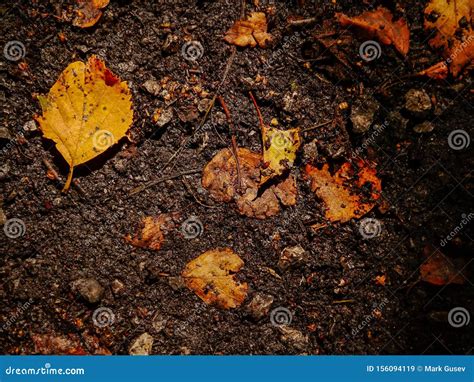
{"type": "Point", "coordinates": [350, 193]}
{"type": "Point", "coordinates": [152, 231]}
{"type": "Point", "coordinates": [380, 24]}
{"type": "Point", "coordinates": [250, 32]}
{"type": "Point", "coordinates": [88, 12]}
{"type": "Point", "coordinates": [211, 277]}
{"type": "Point", "coordinates": [438, 270]}
{"type": "Point", "coordinates": [452, 21]}
{"type": "Point", "coordinates": [438, 71]}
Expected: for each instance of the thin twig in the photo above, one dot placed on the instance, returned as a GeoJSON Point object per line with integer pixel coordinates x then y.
{"type": "Point", "coordinates": [317, 126]}
{"type": "Point", "coordinates": [58, 177]}
{"type": "Point", "coordinates": [260, 119]}
{"type": "Point", "coordinates": [235, 149]}
{"type": "Point", "coordinates": [152, 183]}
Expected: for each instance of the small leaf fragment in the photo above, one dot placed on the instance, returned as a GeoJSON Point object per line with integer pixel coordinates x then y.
{"type": "Point", "coordinates": [86, 111]}
{"type": "Point", "coordinates": [343, 192]}
{"type": "Point", "coordinates": [88, 12]}
{"type": "Point", "coordinates": [250, 32]}
{"type": "Point", "coordinates": [438, 270]}
{"type": "Point", "coordinates": [152, 231]}
{"type": "Point", "coordinates": [279, 150]}
{"type": "Point", "coordinates": [211, 277]}
{"type": "Point", "coordinates": [380, 24]}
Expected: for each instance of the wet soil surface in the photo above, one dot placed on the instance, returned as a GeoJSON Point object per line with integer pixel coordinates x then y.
{"type": "Point", "coordinates": [336, 303]}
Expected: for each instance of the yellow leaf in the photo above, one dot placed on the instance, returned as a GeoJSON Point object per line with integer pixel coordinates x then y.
{"type": "Point", "coordinates": [211, 277]}
{"type": "Point", "coordinates": [88, 12]}
{"type": "Point", "coordinates": [279, 150]}
{"type": "Point", "coordinates": [452, 20]}
{"type": "Point", "coordinates": [86, 111]}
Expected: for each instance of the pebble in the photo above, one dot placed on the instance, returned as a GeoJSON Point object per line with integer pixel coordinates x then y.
{"type": "Point", "coordinates": [5, 134]}
{"type": "Point", "coordinates": [165, 117]}
{"type": "Point", "coordinates": [159, 322]}
{"type": "Point", "coordinates": [418, 103]}
{"type": "Point", "coordinates": [30, 126]}
{"type": "Point", "coordinates": [4, 170]}
{"type": "Point", "coordinates": [294, 338]}
{"type": "Point", "coordinates": [117, 287]}
{"type": "Point", "coordinates": [310, 151]}
{"type": "Point", "coordinates": [363, 112]}
{"type": "Point", "coordinates": [424, 127]}
{"type": "Point", "coordinates": [142, 345]}
{"type": "Point", "coordinates": [89, 289]}
{"type": "Point", "coordinates": [152, 87]}
{"type": "Point", "coordinates": [120, 165]}
{"type": "Point", "coordinates": [292, 256]}
{"type": "Point", "coordinates": [259, 306]}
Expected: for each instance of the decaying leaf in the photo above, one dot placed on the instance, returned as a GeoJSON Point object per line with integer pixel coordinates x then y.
{"type": "Point", "coordinates": [86, 111]}
{"type": "Point", "coordinates": [211, 277]}
{"type": "Point", "coordinates": [350, 193]}
{"type": "Point", "coordinates": [220, 178]}
{"type": "Point", "coordinates": [249, 32]}
{"type": "Point", "coordinates": [279, 150]}
{"type": "Point", "coordinates": [153, 230]}
{"type": "Point", "coordinates": [452, 20]}
{"type": "Point", "coordinates": [380, 24]}
{"type": "Point", "coordinates": [438, 270]}
{"type": "Point", "coordinates": [88, 12]}
{"type": "Point", "coordinates": [438, 71]}
{"type": "Point", "coordinates": [71, 344]}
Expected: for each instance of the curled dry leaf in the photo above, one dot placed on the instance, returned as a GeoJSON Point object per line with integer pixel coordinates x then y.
{"type": "Point", "coordinates": [437, 269]}
{"type": "Point", "coordinates": [88, 12]}
{"type": "Point", "coordinates": [452, 21]}
{"type": "Point", "coordinates": [249, 32]}
{"type": "Point", "coordinates": [86, 111]}
{"type": "Point", "coordinates": [220, 178]}
{"type": "Point", "coordinates": [153, 230]}
{"type": "Point", "coordinates": [380, 24]}
{"type": "Point", "coordinates": [438, 71]}
{"type": "Point", "coordinates": [350, 193]}
{"type": "Point", "coordinates": [211, 277]}
{"type": "Point", "coordinates": [279, 150]}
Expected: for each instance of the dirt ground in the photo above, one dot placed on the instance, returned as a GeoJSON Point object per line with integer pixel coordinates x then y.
{"type": "Point", "coordinates": [336, 304]}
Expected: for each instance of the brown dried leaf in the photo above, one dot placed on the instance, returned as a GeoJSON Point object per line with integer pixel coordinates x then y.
{"type": "Point", "coordinates": [380, 24]}
{"type": "Point", "coordinates": [220, 179]}
{"type": "Point", "coordinates": [211, 277]}
{"type": "Point", "coordinates": [343, 193]}
{"type": "Point", "coordinates": [152, 231]}
{"type": "Point", "coordinates": [438, 270]}
{"type": "Point", "coordinates": [249, 32]}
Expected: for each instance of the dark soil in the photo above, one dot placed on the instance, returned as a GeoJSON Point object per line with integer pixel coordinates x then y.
{"type": "Point", "coordinates": [427, 186]}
